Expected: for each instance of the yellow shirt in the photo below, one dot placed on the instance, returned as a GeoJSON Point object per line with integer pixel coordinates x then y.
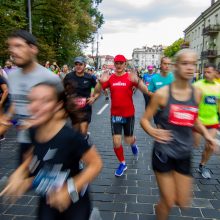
{"type": "Point", "coordinates": [217, 80]}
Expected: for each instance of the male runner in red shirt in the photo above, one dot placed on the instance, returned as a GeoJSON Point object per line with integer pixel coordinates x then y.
{"type": "Point", "coordinates": [121, 86]}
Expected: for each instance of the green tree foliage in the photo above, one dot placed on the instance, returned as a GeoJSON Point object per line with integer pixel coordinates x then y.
{"type": "Point", "coordinates": [62, 27]}
{"type": "Point", "coordinates": [171, 50]}
{"type": "Point", "coordinates": [12, 16]}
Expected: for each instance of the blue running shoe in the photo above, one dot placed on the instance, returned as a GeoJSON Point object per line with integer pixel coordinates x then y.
{"type": "Point", "coordinates": [122, 167]}
{"type": "Point", "coordinates": [134, 149]}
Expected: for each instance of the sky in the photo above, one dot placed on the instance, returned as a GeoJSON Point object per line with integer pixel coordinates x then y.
{"type": "Point", "coordinates": [133, 24]}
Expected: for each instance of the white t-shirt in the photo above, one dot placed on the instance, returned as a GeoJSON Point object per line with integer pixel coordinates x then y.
{"type": "Point", "coordinates": [19, 86]}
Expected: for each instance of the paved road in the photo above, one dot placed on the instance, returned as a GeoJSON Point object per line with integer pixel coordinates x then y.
{"type": "Point", "coordinates": [132, 196]}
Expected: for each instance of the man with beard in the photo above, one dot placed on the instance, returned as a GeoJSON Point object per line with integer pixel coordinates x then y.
{"type": "Point", "coordinates": [23, 49]}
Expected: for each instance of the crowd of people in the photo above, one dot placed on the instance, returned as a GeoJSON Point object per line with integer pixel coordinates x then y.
{"type": "Point", "coordinates": [52, 109]}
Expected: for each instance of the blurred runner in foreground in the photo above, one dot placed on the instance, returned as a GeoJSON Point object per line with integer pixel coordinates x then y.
{"type": "Point", "coordinates": [171, 156]}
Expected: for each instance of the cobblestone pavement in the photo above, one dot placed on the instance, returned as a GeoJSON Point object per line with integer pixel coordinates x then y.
{"type": "Point", "coordinates": [132, 196]}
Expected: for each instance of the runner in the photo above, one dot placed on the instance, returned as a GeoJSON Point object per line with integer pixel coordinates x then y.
{"type": "Point", "coordinates": [122, 108]}
{"type": "Point", "coordinates": [165, 77]}
{"type": "Point", "coordinates": [23, 49]}
{"type": "Point", "coordinates": [217, 77]}
{"type": "Point", "coordinates": [84, 84]}
{"type": "Point", "coordinates": [52, 169]}
{"type": "Point", "coordinates": [171, 157]}
{"type": "Point", "coordinates": [208, 114]}
{"type": "Point", "coordinates": [4, 100]}
{"type": "Point", "coordinates": [147, 77]}
{"type": "Point", "coordinates": [64, 72]}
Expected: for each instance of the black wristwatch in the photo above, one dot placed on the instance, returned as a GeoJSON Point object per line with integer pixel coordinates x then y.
{"type": "Point", "coordinates": [72, 190]}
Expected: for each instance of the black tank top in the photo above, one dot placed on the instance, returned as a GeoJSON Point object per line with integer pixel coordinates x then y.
{"type": "Point", "coordinates": [181, 145]}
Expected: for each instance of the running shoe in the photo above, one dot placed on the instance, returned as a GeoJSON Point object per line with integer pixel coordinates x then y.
{"type": "Point", "coordinates": [106, 98]}
{"type": "Point", "coordinates": [120, 170]}
{"type": "Point", "coordinates": [134, 149]}
{"type": "Point", "coordinates": [205, 172]}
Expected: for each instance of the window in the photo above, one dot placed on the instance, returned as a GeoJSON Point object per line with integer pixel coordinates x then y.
{"type": "Point", "coordinates": [216, 19]}
{"type": "Point", "coordinates": [208, 24]}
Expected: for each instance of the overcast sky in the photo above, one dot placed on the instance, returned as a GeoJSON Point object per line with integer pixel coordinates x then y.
{"type": "Point", "coordinates": [132, 24]}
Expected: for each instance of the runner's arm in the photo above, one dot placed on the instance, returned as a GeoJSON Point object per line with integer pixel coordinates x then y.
{"type": "Point", "coordinates": [158, 99]}
{"type": "Point", "coordinates": [4, 88]}
{"type": "Point", "coordinates": [94, 95]}
{"type": "Point", "coordinates": [143, 88]}
{"type": "Point", "coordinates": [93, 166]}
{"type": "Point", "coordinates": [204, 132]}
{"type": "Point", "coordinates": [97, 89]}
{"type": "Point", "coordinates": [150, 111]}
{"type": "Point", "coordinates": [5, 120]}
{"type": "Point", "coordinates": [19, 181]}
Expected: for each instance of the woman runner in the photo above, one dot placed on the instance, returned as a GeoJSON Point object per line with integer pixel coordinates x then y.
{"type": "Point", "coordinates": [52, 168]}
{"type": "Point", "coordinates": [171, 157]}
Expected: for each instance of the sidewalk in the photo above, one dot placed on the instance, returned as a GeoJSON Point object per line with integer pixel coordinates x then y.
{"type": "Point", "coordinates": [130, 197]}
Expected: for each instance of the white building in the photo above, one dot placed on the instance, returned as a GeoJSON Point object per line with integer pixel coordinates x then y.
{"type": "Point", "coordinates": [103, 60]}
{"type": "Point", "coordinates": [142, 57]}
{"type": "Point", "coordinates": [203, 36]}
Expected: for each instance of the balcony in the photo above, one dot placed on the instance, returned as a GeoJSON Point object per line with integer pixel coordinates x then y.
{"type": "Point", "coordinates": [211, 29]}
{"type": "Point", "coordinates": [209, 54]}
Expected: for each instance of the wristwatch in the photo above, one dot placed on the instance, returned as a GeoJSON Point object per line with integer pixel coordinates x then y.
{"type": "Point", "coordinates": [72, 190]}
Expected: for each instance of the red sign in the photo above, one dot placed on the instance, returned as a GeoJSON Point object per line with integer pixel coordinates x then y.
{"type": "Point", "coordinates": [183, 115]}
{"type": "Point", "coordinates": [80, 102]}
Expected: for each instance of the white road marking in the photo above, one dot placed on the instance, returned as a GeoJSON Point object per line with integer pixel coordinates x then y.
{"type": "Point", "coordinates": [102, 109]}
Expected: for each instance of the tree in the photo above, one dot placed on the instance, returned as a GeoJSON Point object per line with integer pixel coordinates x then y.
{"type": "Point", "coordinates": [171, 50]}
{"type": "Point", "coordinates": [62, 27]}
{"type": "Point", "coordinates": [12, 16]}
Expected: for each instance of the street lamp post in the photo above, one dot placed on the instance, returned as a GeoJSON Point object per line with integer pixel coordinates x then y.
{"type": "Point", "coordinates": [97, 51]}
{"type": "Point", "coordinates": [28, 14]}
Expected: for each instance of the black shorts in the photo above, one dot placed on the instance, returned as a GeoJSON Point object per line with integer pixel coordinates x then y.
{"type": "Point", "coordinates": [163, 165]}
{"type": "Point", "coordinates": [76, 211]}
{"type": "Point", "coordinates": [85, 115]}
{"type": "Point", "coordinates": [128, 127]}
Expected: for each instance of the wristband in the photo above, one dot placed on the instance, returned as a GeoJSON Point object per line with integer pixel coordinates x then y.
{"type": "Point", "coordinates": [72, 190]}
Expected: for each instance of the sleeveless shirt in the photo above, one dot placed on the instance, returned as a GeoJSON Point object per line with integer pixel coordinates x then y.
{"type": "Point", "coordinates": [180, 146]}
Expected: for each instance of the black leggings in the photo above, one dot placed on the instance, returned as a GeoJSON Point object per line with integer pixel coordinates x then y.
{"type": "Point", "coordinates": [77, 211]}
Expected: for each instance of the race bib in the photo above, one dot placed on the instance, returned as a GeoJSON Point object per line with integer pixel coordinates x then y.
{"type": "Point", "coordinates": [80, 102]}
{"type": "Point", "coordinates": [183, 115]}
{"type": "Point", "coordinates": [210, 100]}
{"type": "Point", "coordinates": [49, 179]}
{"type": "Point", "coordinates": [119, 119]}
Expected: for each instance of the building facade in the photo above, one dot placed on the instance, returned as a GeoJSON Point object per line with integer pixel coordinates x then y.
{"type": "Point", "coordinates": [142, 57]}
{"type": "Point", "coordinates": [203, 36]}
{"type": "Point", "coordinates": [106, 61]}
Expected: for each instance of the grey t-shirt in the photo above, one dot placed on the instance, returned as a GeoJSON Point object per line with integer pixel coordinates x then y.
{"type": "Point", "coordinates": [19, 86]}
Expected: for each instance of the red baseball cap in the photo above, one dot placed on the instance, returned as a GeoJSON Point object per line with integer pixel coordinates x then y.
{"type": "Point", "coordinates": [120, 58]}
